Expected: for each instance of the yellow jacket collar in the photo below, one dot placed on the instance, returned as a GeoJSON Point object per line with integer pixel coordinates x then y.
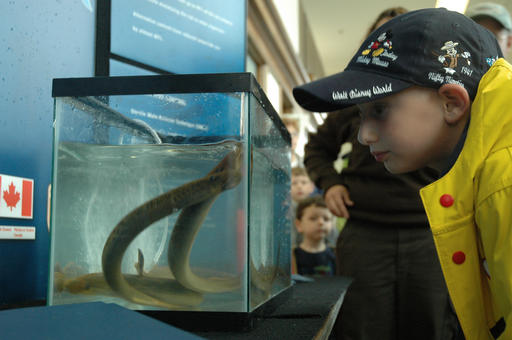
{"type": "Point", "coordinates": [487, 124]}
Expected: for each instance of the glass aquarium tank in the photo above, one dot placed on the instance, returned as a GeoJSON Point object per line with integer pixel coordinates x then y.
{"type": "Point", "coordinates": [169, 192]}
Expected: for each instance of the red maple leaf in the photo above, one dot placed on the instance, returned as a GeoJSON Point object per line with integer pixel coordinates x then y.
{"type": "Point", "coordinates": [11, 197]}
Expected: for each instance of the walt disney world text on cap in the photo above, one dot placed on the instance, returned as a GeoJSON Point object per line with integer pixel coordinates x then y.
{"type": "Point", "coordinates": [429, 47]}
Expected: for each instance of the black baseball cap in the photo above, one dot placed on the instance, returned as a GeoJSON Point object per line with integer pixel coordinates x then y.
{"type": "Point", "coordinates": [428, 47]}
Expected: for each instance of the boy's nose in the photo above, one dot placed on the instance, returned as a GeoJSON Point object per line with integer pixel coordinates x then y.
{"type": "Point", "coordinates": [367, 134]}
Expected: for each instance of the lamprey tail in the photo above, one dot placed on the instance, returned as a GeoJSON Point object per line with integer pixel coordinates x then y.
{"type": "Point", "coordinates": [167, 290]}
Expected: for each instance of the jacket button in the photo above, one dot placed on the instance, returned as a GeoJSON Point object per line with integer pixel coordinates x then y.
{"type": "Point", "coordinates": [446, 200]}
{"type": "Point", "coordinates": [458, 257]}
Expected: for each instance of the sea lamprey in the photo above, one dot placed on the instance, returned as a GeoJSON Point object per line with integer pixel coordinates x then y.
{"type": "Point", "coordinates": [194, 199]}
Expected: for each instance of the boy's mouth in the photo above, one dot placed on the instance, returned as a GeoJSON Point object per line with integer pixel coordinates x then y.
{"type": "Point", "coordinates": [380, 156]}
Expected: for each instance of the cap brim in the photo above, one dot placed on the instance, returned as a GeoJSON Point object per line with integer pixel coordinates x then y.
{"type": "Point", "coordinates": [345, 89]}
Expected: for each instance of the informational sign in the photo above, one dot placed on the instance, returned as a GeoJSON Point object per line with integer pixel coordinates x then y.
{"type": "Point", "coordinates": [195, 114]}
{"type": "Point", "coordinates": [181, 36]}
{"type": "Point", "coordinates": [184, 115]}
{"type": "Point", "coordinates": [17, 233]}
{"type": "Point", "coordinates": [16, 197]}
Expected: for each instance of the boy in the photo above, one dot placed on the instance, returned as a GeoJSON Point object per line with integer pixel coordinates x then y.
{"type": "Point", "coordinates": [301, 187]}
{"type": "Point", "coordinates": [314, 221]}
{"type": "Point", "coordinates": [293, 127]}
{"type": "Point", "coordinates": [432, 92]}
{"type": "Point", "coordinates": [386, 245]}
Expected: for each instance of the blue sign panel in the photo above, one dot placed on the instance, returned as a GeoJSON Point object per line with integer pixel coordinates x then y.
{"type": "Point", "coordinates": [118, 68]}
{"type": "Point", "coordinates": [181, 36]}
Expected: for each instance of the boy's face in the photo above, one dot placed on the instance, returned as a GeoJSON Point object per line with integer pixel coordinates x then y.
{"type": "Point", "coordinates": [301, 187]}
{"type": "Point", "coordinates": [315, 224]}
{"type": "Point", "coordinates": [406, 131]}
{"type": "Point", "coordinates": [294, 134]}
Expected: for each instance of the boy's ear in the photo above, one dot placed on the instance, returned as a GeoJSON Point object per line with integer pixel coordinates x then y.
{"type": "Point", "coordinates": [455, 101]}
{"type": "Point", "coordinates": [297, 225]}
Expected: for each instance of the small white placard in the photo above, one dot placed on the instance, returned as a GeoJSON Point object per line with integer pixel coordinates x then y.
{"type": "Point", "coordinates": [17, 233]}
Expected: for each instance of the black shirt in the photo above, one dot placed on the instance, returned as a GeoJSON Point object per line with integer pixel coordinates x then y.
{"type": "Point", "coordinates": [323, 263]}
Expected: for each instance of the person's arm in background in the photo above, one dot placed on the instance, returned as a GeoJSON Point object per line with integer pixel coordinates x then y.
{"type": "Point", "coordinates": [321, 151]}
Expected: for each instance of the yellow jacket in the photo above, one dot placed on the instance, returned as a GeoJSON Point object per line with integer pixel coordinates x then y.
{"type": "Point", "coordinates": [470, 213]}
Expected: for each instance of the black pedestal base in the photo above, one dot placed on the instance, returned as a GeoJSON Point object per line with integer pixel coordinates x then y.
{"type": "Point", "coordinates": [219, 321]}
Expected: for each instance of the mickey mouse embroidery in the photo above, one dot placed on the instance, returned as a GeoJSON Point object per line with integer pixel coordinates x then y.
{"type": "Point", "coordinates": [450, 57]}
{"type": "Point", "coordinates": [382, 43]}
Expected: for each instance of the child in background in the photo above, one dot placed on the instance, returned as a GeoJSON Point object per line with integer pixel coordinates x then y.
{"type": "Point", "coordinates": [314, 222]}
{"type": "Point", "coordinates": [293, 127]}
{"type": "Point", "coordinates": [301, 187]}
{"type": "Point", "coordinates": [433, 90]}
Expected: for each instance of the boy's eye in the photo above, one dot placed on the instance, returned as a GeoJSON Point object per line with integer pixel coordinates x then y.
{"type": "Point", "coordinates": [373, 110]}
{"type": "Point", "coordinates": [378, 110]}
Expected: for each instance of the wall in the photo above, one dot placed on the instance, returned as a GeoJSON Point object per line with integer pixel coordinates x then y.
{"type": "Point", "coordinates": [40, 40]}
{"type": "Point", "coordinates": [308, 50]}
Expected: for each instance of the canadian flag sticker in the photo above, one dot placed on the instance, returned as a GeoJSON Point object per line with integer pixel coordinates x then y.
{"type": "Point", "coordinates": [16, 197]}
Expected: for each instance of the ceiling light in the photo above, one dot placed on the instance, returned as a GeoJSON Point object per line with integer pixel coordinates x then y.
{"type": "Point", "coordinates": [453, 5]}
